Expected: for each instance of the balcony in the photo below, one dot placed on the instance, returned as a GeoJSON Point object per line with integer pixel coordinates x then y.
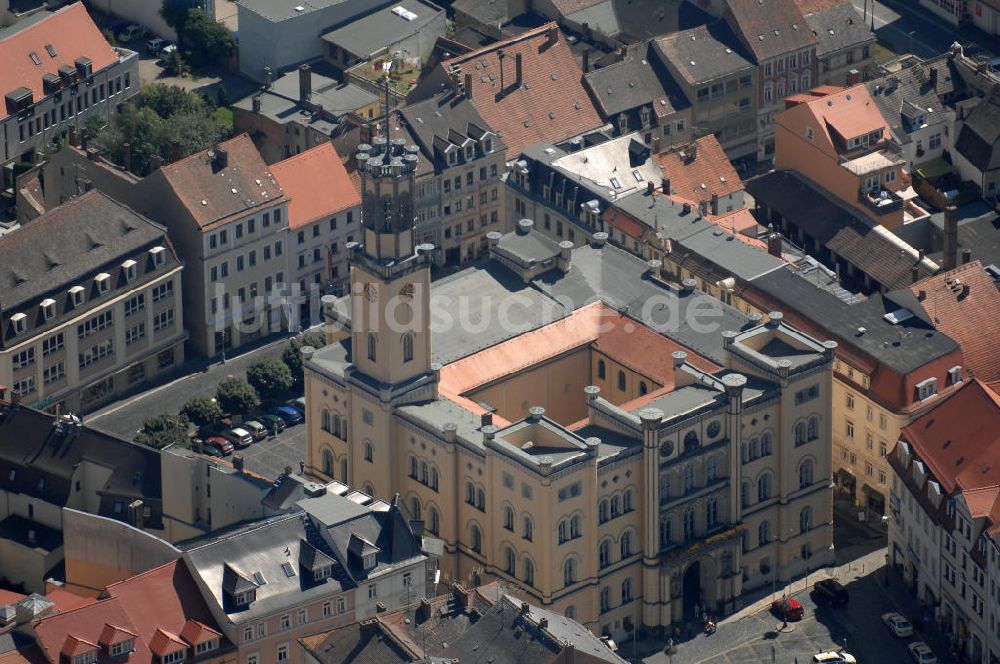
{"type": "Point", "coordinates": [881, 201]}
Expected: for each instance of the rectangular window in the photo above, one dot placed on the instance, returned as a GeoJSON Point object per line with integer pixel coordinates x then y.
{"type": "Point", "coordinates": [163, 320]}
{"type": "Point", "coordinates": [52, 344]}
{"type": "Point", "coordinates": [24, 358]}
{"type": "Point", "coordinates": [54, 372]}
{"type": "Point", "coordinates": [24, 387]}
{"type": "Point", "coordinates": [341, 605]}
{"type": "Point", "coordinates": [327, 610]}
{"type": "Point", "coordinates": [135, 333]}
{"type": "Point", "coordinates": [163, 291]}
{"type": "Point", "coordinates": [96, 324]}
{"type": "Point", "coordinates": [135, 304]}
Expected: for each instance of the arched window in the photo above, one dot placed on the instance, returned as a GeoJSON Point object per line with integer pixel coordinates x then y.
{"type": "Point", "coordinates": [508, 560]}
{"type": "Point", "coordinates": [343, 429]}
{"type": "Point", "coordinates": [712, 469]}
{"type": "Point", "coordinates": [423, 472]}
{"type": "Point", "coordinates": [690, 441]}
{"type": "Point", "coordinates": [476, 539]}
{"type": "Point", "coordinates": [336, 426]}
{"type": "Point", "coordinates": [813, 427]}
{"type": "Point", "coordinates": [343, 470]}
{"type": "Point", "coordinates": [605, 599]}
{"type": "Point", "coordinates": [435, 521]}
{"type": "Point", "coordinates": [372, 346]}
{"type": "Point", "coordinates": [642, 388]}
{"type": "Point", "coordinates": [415, 508]}
{"type": "Point", "coordinates": [764, 533]}
{"type": "Point", "coordinates": [754, 447]}
{"type": "Point", "coordinates": [745, 493]}
{"type": "Point", "coordinates": [328, 463]}
{"type": "Point", "coordinates": [413, 467]}
{"type": "Point", "coordinates": [434, 478]}
{"type": "Point", "coordinates": [563, 531]}
{"type": "Point", "coordinates": [569, 572]}
{"type": "Point", "coordinates": [602, 511]}
{"type": "Point", "coordinates": [766, 444]}
{"type": "Point", "coordinates": [689, 478]}
{"type": "Point", "coordinates": [800, 433]}
{"type": "Point", "coordinates": [745, 452]}
{"type": "Point", "coordinates": [369, 453]}
{"type": "Point", "coordinates": [627, 501]}
{"type": "Point", "coordinates": [616, 508]}
{"type": "Point", "coordinates": [529, 572]}
{"type": "Point", "coordinates": [407, 346]}
{"type": "Point", "coordinates": [763, 487]}
{"type": "Point", "coordinates": [664, 486]}
{"type": "Point", "coordinates": [604, 553]}
{"type": "Point", "coordinates": [481, 500]}
{"type": "Point", "coordinates": [712, 513]}
{"type": "Point", "coordinates": [529, 529]}
{"type": "Point", "coordinates": [626, 544]}
{"type": "Point", "coordinates": [325, 420]}
{"type": "Point", "coordinates": [574, 527]}
{"type": "Point", "coordinates": [621, 380]}
{"type": "Point", "coordinates": [470, 493]}
{"type": "Point", "coordinates": [665, 533]}
{"type": "Point", "coordinates": [689, 524]}
{"type": "Point", "coordinates": [601, 369]}
{"type": "Point", "coordinates": [626, 591]}
{"type": "Point", "coordinates": [570, 612]}
{"type": "Point", "coordinates": [805, 519]}
{"type": "Point", "coordinates": [508, 518]}
{"type": "Point", "coordinates": [805, 473]}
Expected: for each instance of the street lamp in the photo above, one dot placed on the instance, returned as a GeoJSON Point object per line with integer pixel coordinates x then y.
{"type": "Point", "coordinates": [886, 569]}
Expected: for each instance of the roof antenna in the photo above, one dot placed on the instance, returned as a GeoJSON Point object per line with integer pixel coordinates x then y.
{"type": "Point", "coordinates": [386, 66]}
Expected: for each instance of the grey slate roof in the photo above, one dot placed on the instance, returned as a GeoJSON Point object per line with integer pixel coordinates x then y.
{"type": "Point", "coordinates": [280, 10]}
{"type": "Point", "coordinates": [705, 53]}
{"type": "Point", "coordinates": [645, 19]}
{"type": "Point", "coordinates": [442, 117]}
{"type": "Point", "coordinates": [729, 253]}
{"type": "Point", "coordinates": [979, 140]}
{"type": "Point", "coordinates": [373, 32]}
{"type": "Point", "coordinates": [770, 28]}
{"type": "Point", "coordinates": [837, 28]}
{"type": "Point", "coordinates": [630, 83]}
{"type": "Point", "coordinates": [909, 86]}
{"type": "Point", "coordinates": [529, 247]}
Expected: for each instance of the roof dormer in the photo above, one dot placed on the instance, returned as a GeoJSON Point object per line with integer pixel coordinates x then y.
{"type": "Point", "coordinates": [79, 651]}
{"type": "Point", "coordinates": [116, 641]}
{"type": "Point", "coordinates": [316, 564]}
{"type": "Point", "coordinates": [239, 589]}
{"type": "Point", "coordinates": [363, 553]}
{"type": "Point", "coordinates": [169, 648]}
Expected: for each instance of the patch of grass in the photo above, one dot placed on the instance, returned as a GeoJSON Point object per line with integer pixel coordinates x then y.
{"type": "Point", "coordinates": [884, 53]}
{"type": "Point", "coordinates": [224, 116]}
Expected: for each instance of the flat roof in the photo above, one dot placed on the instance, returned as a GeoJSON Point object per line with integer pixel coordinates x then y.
{"type": "Point", "coordinates": [383, 27]}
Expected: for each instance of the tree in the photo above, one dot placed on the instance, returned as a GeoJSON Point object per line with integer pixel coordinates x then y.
{"type": "Point", "coordinates": [202, 411]}
{"type": "Point", "coordinates": [162, 430]}
{"type": "Point", "coordinates": [174, 64]}
{"type": "Point", "coordinates": [270, 377]}
{"type": "Point", "coordinates": [208, 40]}
{"type": "Point", "coordinates": [235, 395]}
{"type": "Point", "coordinates": [292, 356]}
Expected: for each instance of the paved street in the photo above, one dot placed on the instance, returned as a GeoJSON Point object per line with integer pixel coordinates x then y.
{"type": "Point", "coordinates": [909, 28]}
{"type": "Point", "coordinates": [271, 456]}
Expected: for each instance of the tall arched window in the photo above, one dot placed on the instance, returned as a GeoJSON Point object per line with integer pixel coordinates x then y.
{"type": "Point", "coordinates": [604, 553]}
{"type": "Point", "coordinates": [434, 478]}
{"type": "Point", "coordinates": [563, 531]}
{"type": "Point", "coordinates": [666, 532]}
{"type": "Point", "coordinates": [328, 463]}
{"type": "Point", "coordinates": [372, 346]}
{"type": "Point", "coordinates": [712, 513]}
{"type": "Point", "coordinates": [574, 527]}
{"type": "Point", "coordinates": [800, 433]}
{"type": "Point", "coordinates": [605, 599]}
{"type": "Point", "coordinates": [476, 539]}
{"type": "Point", "coordinates": [745, 493]}
{"type": "Point", "coordinates": [805, 473]}
{"type": "Point", "coordinates": [601, 369]}
{"type": "Point", "coordinates": [343, 470]}
{"type": "Point", "coordinates": [616, 507]}
{"type": "Point", "coordinates": [508, 560]}
{"type": "Point", "coordinates": [325, 420]}
{"type": "Point", "coordinates": [813, 427]}
{"type": "Point", "coordinates": [602, 511]}
{"type": "Point", "coordinates": [569, 572]}
{"type": "Point", "coordinates": [754, 447]}
{"type": "Point", "coordinates": [689, 530]}
{"type": "Point", "coordinates": [763, 487]}
{"type": "Point", "coordinates": [626, 591]}
{"type": "Point", "coordinates": [642, 388]}
{"type": "Point", "coordinates": [470, 493]}
{"type": "Point", "coordinates": [369, 452]}
{"type": "Point", "coordinates": [690, 441]}
{"type": "Point", "coordinates": [805, 519]}
{"type": "Point", "coordinates": [766, 443]}
{"type": "Point", "coordinates": [481, 500]}
{"type": "Point", "coordinates": [627, 500]}
{"type": "Point", "coordinates": [664, 486]}
{"type": "Point", "coordinates": [712, 469]}
{"type": "Point", "coordinates": [508, 518]}
{"type": "Point", "coordinates": [764, 533]}
{"type": "Point", "coordinates": [626, 544]}
{"type": "Point", "coordinates": [407, 347]}
{"type": "Point", "coordinates": [621, 380]}
{"type": "Point", "coordinates": [529, 572]}
{"type": "Point", "coordinates": [435, 521]}
{"type": "Point", "coordinates": [335, 429]}
{"type": "Point", "coordinates": [415, 508]}
{"type": "Point", "coordinates": [413, 467]}
{"type": "Point", "coordinates": [423, 473]}
{"type": "Point", "coordinates": [529, 529]}
{"type": "Point", "coordinates": [689, 478]}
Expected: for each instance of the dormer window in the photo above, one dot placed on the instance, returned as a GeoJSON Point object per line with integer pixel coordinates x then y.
{"type": "Point", "coordinates": [926, 388]}
{"type": "Point", "coordinates": [487, 145]}
{"type": "Point", "coordinates": [122, 648]}
{"type": "Point", "coordinates": [322, 573]}
{"type": "Point", "coordinates": [955, 375]}
{"type": "Point", "coordinates": [452, 158]}
{"type": "Point", "coordinates": [48, 307]}
{"type": "Point", "coordinates": [128, 267]}
{"type": "Point", "coordinates": [103, 282]}
{"type": "Point", "coordinates": [88, 657]}
{"type": "Point", "coordinates": [157, 254]}
{"type": "Point", "coordinates": [76, 295]}
{"type": "Point", "coordinates": [173, 657]}
{"type": "Point", "coordinates": [207, 646]}
{"type": "Point", "coordinates": [18, 321]}
{"type": "Point", "coordinates": [244, 598]}
{"type": "Point", "coordinates": [369, 561]}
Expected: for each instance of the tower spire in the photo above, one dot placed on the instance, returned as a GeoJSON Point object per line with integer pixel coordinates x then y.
{"type": "Point", "coordinates": [388, 126]}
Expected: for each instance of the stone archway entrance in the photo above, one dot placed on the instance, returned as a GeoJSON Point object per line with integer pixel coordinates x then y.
{"type": "Point", "coordinates": [691, 590]}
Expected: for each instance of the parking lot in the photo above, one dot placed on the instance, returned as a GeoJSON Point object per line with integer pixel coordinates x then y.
{"type": "Point", "coordinates": [270, 456]}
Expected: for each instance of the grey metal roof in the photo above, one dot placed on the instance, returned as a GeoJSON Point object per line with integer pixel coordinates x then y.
{"type": "Point", "coordinates": [644, 19]}
{"type": "Point", "coordinates": [730, 253]}
{"type": "Point", "coordinates": [280, 10]}
{"type": "Point", "coordinates": [530, 247]}
{"type": "Point", "coordinates": [705, 53]}
{"type": "Point", "coordinates": [373, 32]}
{"type": "Point", "coordinates": [685, 399]}
{"type": "Point", "coordinates": [441, 117]}
{"type": "Point", "coordinates": [280, 102]}
{"type": "Point", "coordinates": [434, 415]}
{"type": "Point", "coordinates": [569, 631]}
{"type": "Point", "coordinates": [837, 28]}
{"type": "Point", "coordinates": [663, 214]}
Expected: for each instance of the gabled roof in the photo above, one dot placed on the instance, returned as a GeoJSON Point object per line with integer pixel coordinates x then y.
{"type": "Point", "coordinates": [770, 28]}
{"type": "Point", "coordinates": [630, 83]}
{"type": "Point", "coordinates": [705, 53]}
{"type": "Point", "coordinates": [911, 86]}
{"type": "Point", "coordinates": [75, 645]}
{"type": "Point", "coordinates": [839, 115]}
{"type": "Point", "coordinates": [316, 185]}
{"type": "Point", "coordinates": [195, 632]}
{"type": "Point", "coordinates": [709, 172]}
{"type": "Point", "coordinates": [964, 303]}
{"type": "Point", "coordinates": [212, 192]}
{"type": "Point", "coordinates": [979, 140]}
{"type": "Point", "coordinates": [312, 559]}
{"type": "Point", "coordinates": [69, 32]}
{"type": "Point", "coordinates": [78, 631]}
{"type": "Point", "coordinates": [114, 634]}
{"type": "Point", "coordinates": [551, 103]}
{"type": "Point", "coordinates": [837, 28]}
{"type": "Point", "coordinates": [235, 582]}
{"type": "Point", "coordinates": [163, 643]}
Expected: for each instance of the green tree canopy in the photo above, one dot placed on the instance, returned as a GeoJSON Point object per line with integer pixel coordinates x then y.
{"type": "Point", "coordinates": [162, 430]}
{"type": "Point", "coordinates": [292, 355]}
{"type": "Point", "coordinates": [270, 377]}
{"type": "Point", "coordinates": [236, 396]}
{"type": "Point", "coordinates": [202, 411]}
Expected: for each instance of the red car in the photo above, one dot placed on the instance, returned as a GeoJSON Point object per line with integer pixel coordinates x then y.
{"type": "Point", "coordinates": [787, 608]}
{"type": "Point", "coordinates": [218, 443]}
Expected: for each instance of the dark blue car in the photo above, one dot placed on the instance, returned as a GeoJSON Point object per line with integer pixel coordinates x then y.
{"type": "Point", "coordinates": [288, 414]}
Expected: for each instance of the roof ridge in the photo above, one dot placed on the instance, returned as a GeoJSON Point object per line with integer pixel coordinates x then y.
{"type": "Point", "coordinates": [496, 46]}
{"type": "Point", "coordinates": [37, 24]}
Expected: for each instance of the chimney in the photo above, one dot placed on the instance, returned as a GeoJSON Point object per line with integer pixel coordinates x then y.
{"type": "Point", "coordinates": [853, 77]}
{"type": "Point", "coordinates": [93, 154]}
{"type": "Point", "coordinates": [715, 204]}
{"type": "Point", "coordinates": [692, 153]}
{"type": "Point", "coordinates": [127, 156]}
{"type": "Point", "coordinates": [267, 78]}
{"type": "Point", "coordinates": [305, 83]}
{"type": "Point", "coordinates": [966, 256]}
{"type": "Point", "coordinates": [915, 274]}
{"type": "Point", "coordinates": [950, 237]}
{"type": "Point", "coordinates": [553, 33]}
{"type": "Point", "coordinates": [256, 103]}
{"type": "Point", "coordinates": [774, 244]}
{"type": "Point", "coordinates": [517, 70]}
{"type": "Point", "coordinates": [462, 596]}
{"type": "Point", "coordinates": [934, 78]}
{"type": "Point", "coordinates": [468, 86]}
{"type": "Point", "coordinates": [486, 419]}
{"type": "Point", "coordinates": [424, 610]}
{"type": "Point", "coordinates": [221, 157]}
{"type": "Point", "coordinates": [703, 207]}
{"type": "Point", "coordinates": [500, 56]}
{"type": "Point", "coordinates": [922, 295]}
{"type": "Point", "coordinates": [238, 462]}
{"type": "Point", "coordinates": [543, 623]}
{"type": "Point", "coordinates": [666, 186]}
{"type": "Point", "coordinates": [155, 162]}
{"type": "Point", "coordinates": [687, 208]}
{"type": "Point", "coordinates": [524, 226]}
{"type": "Point", "coordinates": [368, 628]}
{"type": "Point", "coordinates": [650, 187]}
{"type": "Point", "coordinates": [586, 60]}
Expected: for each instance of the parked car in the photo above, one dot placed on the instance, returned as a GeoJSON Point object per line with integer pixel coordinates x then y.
{"type": "Point", "coordinates": [298, 404]}
{"type": "Point", "coordinates": [921, 653]}
{"type": "Point", "coordinates": [788, 609]}
{"type": "Point", "coordinates": [897, 624]}
{"type": "Point", "coordinates": [155, 45]}
{"type": "Point", "coordinates": [834, 658]}
{"type": "Point", "coordinates": [132, 32]}
{"type": "Point", "coordinates": [117, 27]}
{"type": "Point", "coordinates": [258, 430]}
{"type": "Point", "coordinates": [167, 50]}
{"type": "Point", "coordinates": [830, 592]}
{"type": "Point", "coordinates": [222, 446]}
{"type": "Point", "coordinates": [288, 414]}
{"type": "Point", "coordinates": [273, 423]}
{"type": "Point", "coordinates": [239, 437]}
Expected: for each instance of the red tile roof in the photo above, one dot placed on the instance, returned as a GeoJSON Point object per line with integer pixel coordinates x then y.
{"type": "Point", "coordinates": [848, 111]}
{"type": "Point", "coordinates": [316, 184]}
{"type": "Point", "coordinates": [10, 597]}
{"type": "Point", "coordinates": [163, 643]}
{"type": "Point", "coordinates": [551, 104]}
{"type": "Point", "coordinates": [64, 600]}
{"type": "Point", "coordinates": [812, 6]}
{"type": "Point", "coordinates": [196, 632]}
{"type": "Point", "coordinates": [710, 172]}
{"type": "Point", "coordinates": [959, 439]}
{"type": "Point", "coordinates": [212, 194]}
{"type": "Point", "coordinates": [79, 631]}
{"type": "Point", "coordinates": [115, 634]}
{"type": "Point", "coordinates": [70, 32]}
{"type": "Point", "coordinates": [964, 303]}
{"type": "Point", "coordinates": [74, 645]}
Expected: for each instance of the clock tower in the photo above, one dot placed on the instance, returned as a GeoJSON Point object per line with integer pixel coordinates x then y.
{"type": "Point", "coordinates": [390, 276]}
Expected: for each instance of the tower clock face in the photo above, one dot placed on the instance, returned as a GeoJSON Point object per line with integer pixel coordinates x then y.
{"type": "Point", "coordinates": [371, 292]}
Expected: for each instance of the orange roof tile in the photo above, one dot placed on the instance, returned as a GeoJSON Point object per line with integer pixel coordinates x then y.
{"type": "Point", "coordinates": [64, 600]}
{"type": "Point", "coordinates": [164, 643]}
{"type": "Point", "coordinates": [850, 112]}
{"type": "Point", "coordinates": [212, 194]}
{"type": "Point", "coordinates": [964, 303]}
{"type": "Point", "coordinates": [550, 106]}
{"type": "Point", "coordinates": [74, 645]}
{"type": "Point", "coordinates": [812, 6]}
{"type": "Point", "coordinates": [69, 31]}
{"type": "Point", "coordinates": [710, 172]}
{"type": "Point", "coordinates": [115, 634]}
{"type": "Point", "coordinates": [317, 185]}
{"type": "Point", "coordinates": [196, 632]}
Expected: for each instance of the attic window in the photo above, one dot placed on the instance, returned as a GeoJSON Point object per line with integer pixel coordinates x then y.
{"type": "Point", "coordinates": [323, 572]}
{"type": "Point", "coordinates": [48, 308]}
{"type": "Point", "coordinates": [245, 597]}
{"type": "Point", "coordinates": [927, 388]}
{"type": "Point", "coordinates": [122, 647]}
{"type": "Point", "coordinates": [76, 295]}
{"type": "Point", "coordinates": [616, 183]}
{"type": "Point", "coordinates": [50, 50]}
{"type": "Point", "coordinates": [88, 657]}
{"type": "Point", "coordinates": [34, 58]}
{"type": "Point", "coordinates": [103, 282]}
{"type": "Point", "coordinates": [955, 375]}
{"type": "Point", "coordinates": [157, 253]}
{"type": "Point", "coordinates": [259, 578]}
{"type": "Point", "coordinates": [129, 268]}
{"type": "Point", "coordinates": [637, 175]}
{"type": "Point", "coordinates": [18, 321]}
